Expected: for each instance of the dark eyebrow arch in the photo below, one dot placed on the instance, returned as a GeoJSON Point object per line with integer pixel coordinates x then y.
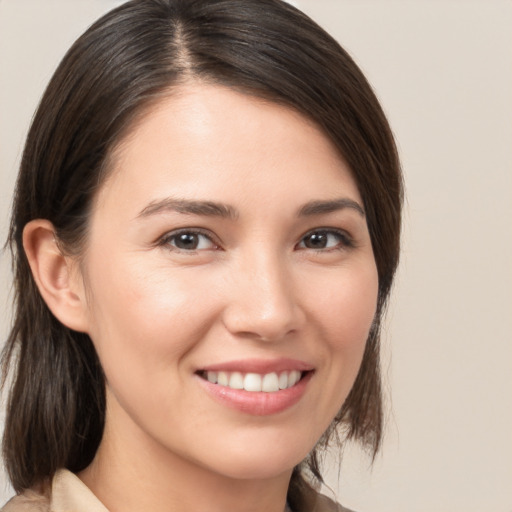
{"type": "Point", "coordinates": [189, 207]}
{"type": "Point", "coordinates": [320, 207]}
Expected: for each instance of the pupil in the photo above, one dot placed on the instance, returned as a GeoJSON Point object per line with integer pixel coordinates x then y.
{"type": "Point", "coordinates": [316, 241]}
{"type": "Point", "coordinates": [186, 241]}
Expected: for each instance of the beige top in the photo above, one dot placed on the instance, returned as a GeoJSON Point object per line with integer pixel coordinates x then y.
{"type": "Point", "coordinates": [70, 494]}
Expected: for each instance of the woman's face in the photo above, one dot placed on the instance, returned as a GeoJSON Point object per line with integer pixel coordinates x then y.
{"type": "Point", "coordinates": [228, 249]}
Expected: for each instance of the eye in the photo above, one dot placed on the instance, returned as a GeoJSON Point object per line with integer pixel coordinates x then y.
{"type": "Point", "coordinates": [189, 240]}
{"type": "Point", "coordinates": [325, 239]}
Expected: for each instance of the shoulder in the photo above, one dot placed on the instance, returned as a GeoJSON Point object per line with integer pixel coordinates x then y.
{"type": "Point", "coordinates": [309, 499]}
{"type": "Point", "coordinates": [65, 492]}
{"type": "Point", "coordinates": [29, 501]}
{"type": "Point", "coordinates": [325, 504]}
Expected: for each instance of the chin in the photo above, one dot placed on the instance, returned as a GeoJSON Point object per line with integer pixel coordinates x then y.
{"type": "Point", "coordinates": [260, 464]}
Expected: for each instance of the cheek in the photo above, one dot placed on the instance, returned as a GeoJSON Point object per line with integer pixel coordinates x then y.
{"type": "Point", "coordinates": [142, 316]}
{"type": "Point", "coordinates": [345, 310]}
{"type": "Point", "coordinates": [346, 305]}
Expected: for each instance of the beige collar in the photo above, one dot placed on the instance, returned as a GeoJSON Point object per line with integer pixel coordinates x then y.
{"type": "Point", "coordinates": [70, 494]}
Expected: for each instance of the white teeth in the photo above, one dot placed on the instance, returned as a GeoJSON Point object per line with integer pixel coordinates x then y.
{"type": "Point", "coordinates": [283, 380]}
{"type": "Point", "coordinates": [223, 379]}
{"type": "Point", "coordinates": [236, 381]}
{"type": "Point", "coordinates": [293, 378]}
{"type": "Point", "coordinates": [269, 383]}
{"type": "Point", "coordinates": [252, 382]}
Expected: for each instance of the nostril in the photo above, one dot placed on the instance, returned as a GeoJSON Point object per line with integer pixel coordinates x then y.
{"type": "Point", "coordinates": [263, 327]}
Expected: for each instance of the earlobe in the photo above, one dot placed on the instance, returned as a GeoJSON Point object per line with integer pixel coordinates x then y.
{"type": "Point", "coordinates": [55, 274]}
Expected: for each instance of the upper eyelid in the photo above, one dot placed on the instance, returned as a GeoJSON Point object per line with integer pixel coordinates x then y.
{"type": "Point", "coordinates": [198, 231]}
{"type": "Point", "coordinates": [325, 229]}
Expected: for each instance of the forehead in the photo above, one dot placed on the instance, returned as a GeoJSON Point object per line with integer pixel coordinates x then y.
{"type": "Point", "coordinates": [206, 140]}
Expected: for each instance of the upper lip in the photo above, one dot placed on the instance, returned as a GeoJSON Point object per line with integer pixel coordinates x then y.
{"type": "Point", "coordinates": [261, 366]}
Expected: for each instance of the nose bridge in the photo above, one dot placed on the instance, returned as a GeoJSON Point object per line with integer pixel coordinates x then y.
{"type": "Point", "coordinates": [263, 304]}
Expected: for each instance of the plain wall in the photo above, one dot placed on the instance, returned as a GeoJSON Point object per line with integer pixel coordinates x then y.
{"type": "Point", "coordinates": [443, 71]}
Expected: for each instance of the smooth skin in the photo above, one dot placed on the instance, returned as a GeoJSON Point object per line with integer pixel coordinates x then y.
{"type": "Point", "coordinates": [280, 266]}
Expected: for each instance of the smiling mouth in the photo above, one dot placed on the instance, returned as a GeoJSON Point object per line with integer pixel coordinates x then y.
{"type": "Point", "coordinates": [254, 382]}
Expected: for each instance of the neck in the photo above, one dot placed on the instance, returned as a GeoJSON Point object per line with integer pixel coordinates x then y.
{"type": "Point", "coordinates": [149, 478]}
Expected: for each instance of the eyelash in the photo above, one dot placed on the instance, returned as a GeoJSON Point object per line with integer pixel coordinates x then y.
{"type": "Point", "coordinates": [167, 239]}
{"type": "Point", "coordinates": [345, 241]}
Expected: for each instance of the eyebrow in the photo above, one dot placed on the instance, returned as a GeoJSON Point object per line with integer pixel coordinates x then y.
{"type": "Point", "coordinates": [329, 206]}
{"type": "Point", "coordinates": [189, 207]}
{"type": "Point", "coordinates": [214, 209]}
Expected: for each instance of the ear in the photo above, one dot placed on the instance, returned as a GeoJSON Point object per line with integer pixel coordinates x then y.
{"type": "Point", "coordinates": [57, 276]}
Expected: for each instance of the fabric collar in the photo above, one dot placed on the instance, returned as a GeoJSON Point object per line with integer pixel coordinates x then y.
{"type": "Point", "coordinates": [70, 494]}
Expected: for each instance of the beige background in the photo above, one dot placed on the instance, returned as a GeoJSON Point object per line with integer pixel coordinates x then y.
{"type": "Point", "coordinates": [443, 70]}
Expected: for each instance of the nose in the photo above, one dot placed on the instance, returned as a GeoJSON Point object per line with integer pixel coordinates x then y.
{"type": "Point", "coordinates": [263, 303]}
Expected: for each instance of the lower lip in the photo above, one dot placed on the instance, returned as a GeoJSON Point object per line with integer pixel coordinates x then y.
{"type": "Point", "coordinates": [257, 403]}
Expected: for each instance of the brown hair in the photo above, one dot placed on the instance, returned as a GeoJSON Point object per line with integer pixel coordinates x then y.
{"type": "Point", "coordinates": [121, 64]}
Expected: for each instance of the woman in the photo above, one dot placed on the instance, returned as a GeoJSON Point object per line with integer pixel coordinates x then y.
{"type": "Point", "coordinates": [205, 232]}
